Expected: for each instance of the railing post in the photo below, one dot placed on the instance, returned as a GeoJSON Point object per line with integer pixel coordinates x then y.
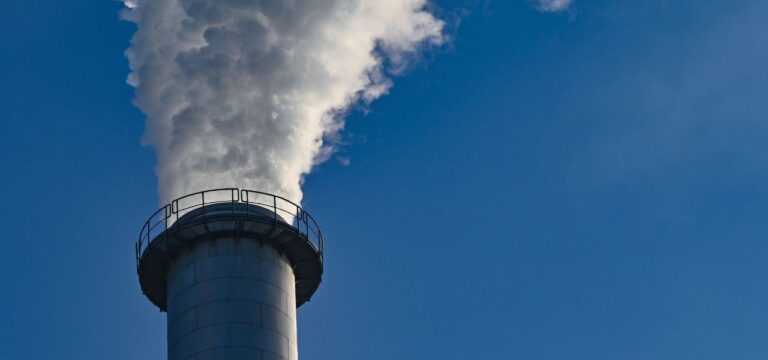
{"type": "Point", "coordinates": [232, 199]}
{"type": "Point", "coordinates": [202, 195]}
{"type": "Point", "coordinates": [298, 218]}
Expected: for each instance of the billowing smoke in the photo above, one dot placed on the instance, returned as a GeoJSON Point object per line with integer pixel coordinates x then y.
{"type": "Point", "coordinates": [246, 93]}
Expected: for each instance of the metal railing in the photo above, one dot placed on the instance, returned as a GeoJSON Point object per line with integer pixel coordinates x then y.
{"type": "Point", "coordinates": [283, 209]}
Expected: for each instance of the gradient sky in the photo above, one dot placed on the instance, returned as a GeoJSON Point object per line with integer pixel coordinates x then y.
{"type": "Point", "coordinates": [585, 184]}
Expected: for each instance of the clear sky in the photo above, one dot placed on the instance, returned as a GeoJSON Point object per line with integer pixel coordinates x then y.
{"type": "Point", "coordinates": [585, 184]}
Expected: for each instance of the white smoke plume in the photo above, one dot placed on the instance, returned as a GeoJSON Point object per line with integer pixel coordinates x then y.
{"type": "Point", "coordinates": [553, 5]}
{"type": "Point", "coordinates": [244, 93]}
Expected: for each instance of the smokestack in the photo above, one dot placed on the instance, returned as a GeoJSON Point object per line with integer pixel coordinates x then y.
{"type": "Point", "coordinates": [230, 267]}
{"type": "Point", "coordinates": [246, 94]}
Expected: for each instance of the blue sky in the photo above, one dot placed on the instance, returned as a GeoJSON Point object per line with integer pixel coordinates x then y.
{"type": "Point", "coordinates": [588, 184]}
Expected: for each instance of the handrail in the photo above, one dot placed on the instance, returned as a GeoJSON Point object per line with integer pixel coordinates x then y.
{"type": "Point", "coordinates": [164, 218]}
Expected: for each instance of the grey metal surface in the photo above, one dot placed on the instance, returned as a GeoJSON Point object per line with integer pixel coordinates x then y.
{"type": "Point", "coordinates": [231, 299]}
{"type": "Point", "coordinates": [235, 219]}
{"type": "Point", "coordinates": [230, 267]}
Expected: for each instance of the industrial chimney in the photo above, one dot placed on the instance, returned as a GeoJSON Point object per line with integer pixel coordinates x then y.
{"type": "Point", "coordinates": [230, 267]}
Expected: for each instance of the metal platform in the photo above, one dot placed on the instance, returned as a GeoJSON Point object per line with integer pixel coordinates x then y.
{"type": "Point", "coordinates": [229, 213]}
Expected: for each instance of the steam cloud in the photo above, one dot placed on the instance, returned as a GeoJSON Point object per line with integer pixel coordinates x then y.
{"type": "Point", "coordinates": [553, 5]}
{"type": "Point", "coordinates": [243, 93]}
